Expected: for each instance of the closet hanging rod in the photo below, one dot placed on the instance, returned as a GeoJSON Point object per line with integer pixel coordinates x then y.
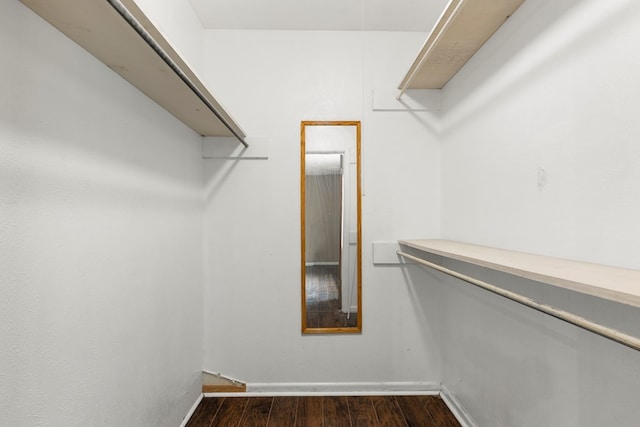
{"type": "Point", "coordinates": [581, 322]}
{"type": "Point", "coordinates": [452, 10]}
{"type": "Point", "coordinates": [138, 28]}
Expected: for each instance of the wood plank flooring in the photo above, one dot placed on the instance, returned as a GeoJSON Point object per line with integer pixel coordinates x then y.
{"type": "Point", "coordinates": [324, 411]}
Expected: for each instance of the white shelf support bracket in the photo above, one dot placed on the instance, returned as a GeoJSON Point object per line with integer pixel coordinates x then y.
{"type": "Point", "coordinates": [414, 100]}
{"type": "Point", "coordinates": [228, 148]}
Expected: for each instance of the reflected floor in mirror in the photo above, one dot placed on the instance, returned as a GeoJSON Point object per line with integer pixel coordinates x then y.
{"type": "Point", "coordinates": [324, 299]}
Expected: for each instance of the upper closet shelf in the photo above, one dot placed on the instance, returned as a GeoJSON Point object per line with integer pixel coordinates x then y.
{"type": "Point", "coordinates": [119, 34]}
{"type": "Point", "coordinates": [611, 283]}
{"type": "Point", "coordinates": [461, 30]}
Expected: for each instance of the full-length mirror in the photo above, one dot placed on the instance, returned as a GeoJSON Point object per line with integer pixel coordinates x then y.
{"type": "Point", "coordinates": [331, 227]}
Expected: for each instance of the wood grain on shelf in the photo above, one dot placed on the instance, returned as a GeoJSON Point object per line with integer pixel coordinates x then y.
{"type": "Point", "coordinates": [475, 22]}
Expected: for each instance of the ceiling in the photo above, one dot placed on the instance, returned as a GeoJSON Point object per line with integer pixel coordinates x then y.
{"type": "Point", "coordinates": [371, 15]}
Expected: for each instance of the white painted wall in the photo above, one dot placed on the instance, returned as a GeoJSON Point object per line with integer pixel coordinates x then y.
{"type": "Point", "coordinates": [540, 154]}
{"type": "Point", "coordinates": [271, 80]}
{"type": "Point", "coordinates": [100, 241]}
{"type": "Point", "coordinates": [554, 94]}
{"type": "Point", "coordinates": [101, 233]}
{"type": "Point", "coordinates": [179, 24]}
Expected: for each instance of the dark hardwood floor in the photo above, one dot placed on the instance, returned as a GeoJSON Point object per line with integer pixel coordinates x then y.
{"type": "Point", "coordinates": [324, 411]}
{"type": "Point", "coordinates": [323, 299]}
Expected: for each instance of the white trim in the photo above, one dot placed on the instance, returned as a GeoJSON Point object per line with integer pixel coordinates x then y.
{"type": "Point", "coordinates": [312, 264]}
{"type": "Point", "coordinates": [191, 411]}
{"type": "Point", "coordinates": [456, 408]}
{"type": "Point", "coordinates": [336, 389]}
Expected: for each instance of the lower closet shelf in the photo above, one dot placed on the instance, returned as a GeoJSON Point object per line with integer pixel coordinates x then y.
{"type": "Point", "coordinates": [612, 283]}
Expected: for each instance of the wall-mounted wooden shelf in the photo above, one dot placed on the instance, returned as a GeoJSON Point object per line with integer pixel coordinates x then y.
{"type": "Point", "coordinates": [611, 283]}
{"type": "Point", "coordinates": [461, 30]}
{"type": "Point", "coordinates": [100, 29]}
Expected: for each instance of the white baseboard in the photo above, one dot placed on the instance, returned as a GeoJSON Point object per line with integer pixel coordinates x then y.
{"type": "Point", "coordinates": [338, 389]}
{"type": "Point", "coordinates": [346, 389]}
{"type": "Point", "coordinates": [191, 411]}
{"type": "Point", "coordinates": [456, 408]}
{"type": "Point", "coordinates": [321, 263]}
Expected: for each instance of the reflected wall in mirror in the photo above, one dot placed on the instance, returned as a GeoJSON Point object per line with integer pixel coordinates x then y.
{"type": "Point", "coordinates": [331, 227]}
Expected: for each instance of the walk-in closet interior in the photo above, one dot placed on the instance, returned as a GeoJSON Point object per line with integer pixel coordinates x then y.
{"type": "Point", "coordinates": [301, 212]}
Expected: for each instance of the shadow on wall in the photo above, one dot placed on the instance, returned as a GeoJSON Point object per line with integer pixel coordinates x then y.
{"type": "Point", "coordinates": [90, 116]}
{"type": "Point", "coordinates": [68, 122]}
{"type": "Point", "coordinates": [526, 29]}
{"type": "Point", "coordinates": [216, 174]}
{"type": "Point", "coordinates": [514, 366]}
{"type": "Point", "coordinates": [508, 404]}
{"type": "Point", "coordinates": [431, 120]}
{"type": "Point", "coordinates": [422, 314]}
{"type": "Point", "coordinates": [623, 317]}
{"type": "Point", "coordinates": [424, 295]}
{"type": "Point", "coordinates": [491, 359]}
{"type": "Point", "coordinates": [509, 365]}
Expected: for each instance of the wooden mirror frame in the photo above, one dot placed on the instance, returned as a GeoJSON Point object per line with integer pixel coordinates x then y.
{"type": "Point", "coordinates": [331, 330]}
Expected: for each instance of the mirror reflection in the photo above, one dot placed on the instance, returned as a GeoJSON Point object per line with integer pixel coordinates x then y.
{"type": "Point", "coordinates": [331, 230]}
